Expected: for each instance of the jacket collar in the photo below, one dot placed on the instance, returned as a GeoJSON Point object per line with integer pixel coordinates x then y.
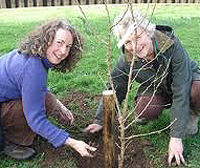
{"type": "Point", "coordinates": [164, 38]}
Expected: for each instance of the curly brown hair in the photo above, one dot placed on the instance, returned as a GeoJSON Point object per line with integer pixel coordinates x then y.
{"type": "Point", "coordinates": [38, 41]}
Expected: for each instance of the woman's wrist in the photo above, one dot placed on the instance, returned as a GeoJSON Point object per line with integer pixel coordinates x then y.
{"type": "Point", "coordinates": [69, 142]}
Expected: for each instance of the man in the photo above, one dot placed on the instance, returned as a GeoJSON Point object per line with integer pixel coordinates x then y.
{"type": "Point", "coordinates": [168, 78]}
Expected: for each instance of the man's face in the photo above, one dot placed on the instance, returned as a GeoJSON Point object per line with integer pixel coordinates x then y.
{"type": "Point", "coordinates": [60, 47]}
{"type": "Point", "coordinates": [139, 43]}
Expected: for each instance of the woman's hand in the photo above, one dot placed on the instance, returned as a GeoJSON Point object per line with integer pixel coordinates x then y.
{"type": "Point", "coordinates": [176, 150]}
{"type": "Point", "coordinates": [66, 114]}
{"type": "Point", "coordinates": [54, 104]}
{"type": "Point", "coordinates": [81, 147]}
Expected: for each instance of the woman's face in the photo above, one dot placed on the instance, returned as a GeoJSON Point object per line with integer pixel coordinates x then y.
{"type": "Point", "coordinates": [140, 43]}
{"type": "Point", "coordinates": [60, 47]}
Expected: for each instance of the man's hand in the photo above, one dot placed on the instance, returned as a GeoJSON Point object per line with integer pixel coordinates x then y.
{"type": "Point", "coordinates": [92, 128]}
{"type": "Point", "coordinates": [81, 147]}
{"type": "Point", "coordinates": [176, 150]}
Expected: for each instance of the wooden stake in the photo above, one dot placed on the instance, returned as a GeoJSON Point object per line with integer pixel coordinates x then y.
{"type": "Point", "coordinates": [108, 128]}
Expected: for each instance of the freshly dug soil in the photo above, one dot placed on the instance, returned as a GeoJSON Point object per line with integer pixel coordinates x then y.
{"type": "Point", "coordinates": [83, 108]}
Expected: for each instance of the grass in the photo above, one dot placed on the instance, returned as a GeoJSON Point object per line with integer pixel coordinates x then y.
{"type": "Point", "coordinates": [90, 73]}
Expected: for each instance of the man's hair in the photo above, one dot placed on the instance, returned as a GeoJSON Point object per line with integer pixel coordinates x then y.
{"type": "Point", "coordinates": [38, 41]}
{"type": "Point", "coordinates": [130, 20]}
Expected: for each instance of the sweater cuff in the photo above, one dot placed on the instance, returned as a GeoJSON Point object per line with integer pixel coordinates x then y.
{"type": "Point", "coordinates": [60, 139]}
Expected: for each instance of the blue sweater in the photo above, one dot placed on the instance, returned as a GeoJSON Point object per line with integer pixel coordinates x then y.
{"type": "Point", "coordinates": [26, 78]}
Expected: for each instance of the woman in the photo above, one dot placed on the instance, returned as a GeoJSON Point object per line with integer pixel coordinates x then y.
{"type": "Point", "coordinates": [25, 100]}
{"type": "Point", "coordinates": [168, 78]}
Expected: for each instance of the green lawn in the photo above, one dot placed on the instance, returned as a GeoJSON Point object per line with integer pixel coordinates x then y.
{"type": "Point", "coordinates": [90, 73]}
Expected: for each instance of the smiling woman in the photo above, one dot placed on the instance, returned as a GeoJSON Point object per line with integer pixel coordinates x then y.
{"type": "Point", "coordinates": [53, 38]}
{"type": "Point", "coordinates": [24, 95]}
{"type": "Point", "coordinates": [60, 47]}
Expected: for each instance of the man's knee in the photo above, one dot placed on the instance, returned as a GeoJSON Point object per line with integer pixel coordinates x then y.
{"type": "Point", "coordinates": [195, 96]}
{"type": "Point", "coordinates": [148, 108]}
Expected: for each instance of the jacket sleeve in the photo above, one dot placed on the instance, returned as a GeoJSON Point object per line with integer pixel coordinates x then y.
{"type": "Point", "coordinates": [182, 76]}
{"type": "Point", "coordinates": [120, 81]}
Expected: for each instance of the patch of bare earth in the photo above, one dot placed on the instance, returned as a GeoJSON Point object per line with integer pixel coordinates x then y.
{"type": "Point", "coordinates": [83, 107]}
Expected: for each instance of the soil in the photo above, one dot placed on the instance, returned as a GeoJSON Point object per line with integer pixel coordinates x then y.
{"type": "Point", "coordinates": [83, 107]}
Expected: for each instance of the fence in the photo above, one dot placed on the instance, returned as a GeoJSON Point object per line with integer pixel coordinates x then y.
{"type": "Point", "coordinates": [35, 3]}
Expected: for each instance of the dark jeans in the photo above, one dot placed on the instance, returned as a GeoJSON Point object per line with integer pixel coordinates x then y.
{"type": "Point", "coordinates": [159, 102]}
{"type": "Point", "coordinates": [15, 127]}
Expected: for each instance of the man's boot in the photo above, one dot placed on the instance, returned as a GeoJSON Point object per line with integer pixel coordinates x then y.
{"type": "Point", "coordinates": [18, 152]}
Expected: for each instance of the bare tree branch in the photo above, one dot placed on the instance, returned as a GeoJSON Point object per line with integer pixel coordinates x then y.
{"type": "Point", "coordinates": [151, 133]}
{"type": "Point", "coordinates": [88, 24]}
{"type": "Point", "coordinates": [162, 77]}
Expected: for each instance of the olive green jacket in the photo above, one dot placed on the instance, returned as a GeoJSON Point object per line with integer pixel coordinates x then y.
{"type": "Point", "coordinates": [170, 74]}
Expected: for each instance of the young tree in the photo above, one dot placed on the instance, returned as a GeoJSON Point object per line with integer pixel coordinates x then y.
{"type": "Point", "coordinates": [123, 113]}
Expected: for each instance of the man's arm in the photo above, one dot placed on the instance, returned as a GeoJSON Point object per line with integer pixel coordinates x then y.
{"type": "Point", "coordinates": [182, 76]}
{"type": "Point", "coordinates": [120, 82]}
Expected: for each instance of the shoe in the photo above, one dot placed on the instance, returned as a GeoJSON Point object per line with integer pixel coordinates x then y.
{"type": "Point", "coordinates": [192, 127]}
{"type": "Point", "coordinates": [18, 152]}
